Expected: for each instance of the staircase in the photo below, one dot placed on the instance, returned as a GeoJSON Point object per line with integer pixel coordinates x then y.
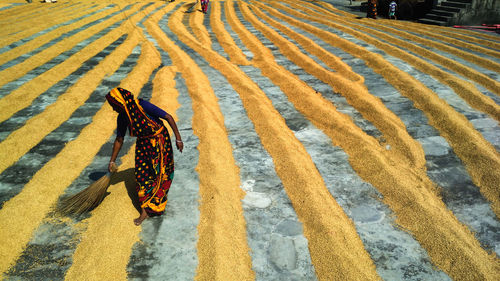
{"type": "Point", "coordinates": [443, 13]}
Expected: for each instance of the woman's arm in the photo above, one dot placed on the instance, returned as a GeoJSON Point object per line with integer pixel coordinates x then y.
{"type": "Point", "coordinates": [171, 122]}
{"type": "Point", "coordinates": [160, 113]}
{"type": "Point", "coordinates": [117, 145]}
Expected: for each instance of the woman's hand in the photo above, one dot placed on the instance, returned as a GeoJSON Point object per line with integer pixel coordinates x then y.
{"type": "Point", "coordinates": [112, 167]}
{"type": "Point", "coordinates": [117, 145]}
{"type": "Point", "coordinates": [172, 124]}
{"type": "Point", "coordinates": [179, 144]}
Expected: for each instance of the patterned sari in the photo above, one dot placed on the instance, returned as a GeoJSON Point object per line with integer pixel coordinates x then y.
{"type": "Point", "coordinates": [154, 162]}
{"type": "Point", "coordinates": [372, 9]}
{"type": "Point", "coordinates": [204, 5]}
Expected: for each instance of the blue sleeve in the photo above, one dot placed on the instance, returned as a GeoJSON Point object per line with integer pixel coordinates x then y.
{"type": "Point", "coordinates": [152, 109]}
{"type": "Point", "coordinates": [121, 125]}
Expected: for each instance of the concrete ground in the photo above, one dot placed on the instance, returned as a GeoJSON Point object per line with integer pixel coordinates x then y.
{"type": "Point", "coordinates": [318, 144]}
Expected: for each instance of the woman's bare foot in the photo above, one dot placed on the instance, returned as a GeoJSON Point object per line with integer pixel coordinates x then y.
{"type": "Point", "coordinates": [141, 218]}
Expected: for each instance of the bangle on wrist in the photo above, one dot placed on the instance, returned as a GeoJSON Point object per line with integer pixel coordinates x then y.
{"type": "Point", "coordinates": [178, 140]}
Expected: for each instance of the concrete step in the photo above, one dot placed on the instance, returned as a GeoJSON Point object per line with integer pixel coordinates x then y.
{"type": "Point", "coordinates": [432, 22]}
{"type": "Point", "coordinates": [454, 4]}
{"type": "Point", "coordinates": [440, 12]}
{"type": "Point", "coordinates": [433, 16]}
{"type": "Point", "coordinates": [463, 1]}
{"type": "Point", "coordinates": [447, 8]}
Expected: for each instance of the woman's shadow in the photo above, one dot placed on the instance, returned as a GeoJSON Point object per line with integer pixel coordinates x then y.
{"type": "Point", "coordinates": [128, 177]}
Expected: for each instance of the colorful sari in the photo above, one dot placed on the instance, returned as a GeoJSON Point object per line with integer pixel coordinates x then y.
{"type": "Point", "coordinates": [204, 6]}
{"type": "Point", "coordinates": [372, 9]}
{"type": "Point", "coordinates": [154, 162]}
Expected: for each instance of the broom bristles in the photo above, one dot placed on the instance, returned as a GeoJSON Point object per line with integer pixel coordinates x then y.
{"type": "Point", "coordinates": [87, 199]}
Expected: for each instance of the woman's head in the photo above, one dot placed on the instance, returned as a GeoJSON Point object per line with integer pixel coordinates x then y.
{"type": "Point", "coordinates": [115, 107]}
{"type": "Point", "coordinates": [116, 99]}
{"type": "Point", "coordinates": [123, 101]}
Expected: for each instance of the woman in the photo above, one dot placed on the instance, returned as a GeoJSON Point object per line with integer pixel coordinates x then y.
{"type": "Point", "coordinates": [372, 9]}
{"type": "Point", "coordinates": [204, 6]}
{"type": "Point", "coordinates": [154, 162]}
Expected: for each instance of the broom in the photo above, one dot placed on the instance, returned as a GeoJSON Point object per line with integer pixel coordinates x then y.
{"type": "Point", "coordinates": [88, 198]}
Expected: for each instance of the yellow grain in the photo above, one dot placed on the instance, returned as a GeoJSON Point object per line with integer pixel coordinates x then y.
{"type": "Point", "coordinates": [164, 92]}
{"type": "Point", "coordinates": [451, 40]}
{"type": "Point", "coordinates": [223, 251]}
{"type": "Point", "coordinates": [22, 214]}
{"type": "Point", "coordinates": [108, 238]}
{"type": "Point", "coordinates": [43, 39]}
{"type": "Point", "coordinates": [76, 96]}
{"type": "Point", "coordinates": [225, 40]}
{"type": "Point", "coordinates": [33, 24]}
{"type": "Point", "coordinates": [466, 71]}
{"type": "Point", "coordinates": [18, 70]}
{"type": "Point", "coordinates": [23, 11]}
{"type": "Point", "coordinates": [479, 156]}
{"type": "Point", "coordinates": [466, 35]}
{"type": "Point", "coordinates": [370, 107]}
{"type": "Point", "coordinates": [464, 89]}
{"type": "Point", "coordinates": [13, 10]}
{"type": "Point", "coordinates": [195, 20]}
{"type": "Point", "coordinates": [335, 247]}
{"type": "Point", "coordinates": [58, 112]}
{"type": "Point", "coordinates": [24, 95]}
{"type": "Point", "coordinates": [409, 193]}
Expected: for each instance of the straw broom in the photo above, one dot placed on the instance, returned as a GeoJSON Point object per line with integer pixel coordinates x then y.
{"type": "Point", "coordinates": [87, 199]}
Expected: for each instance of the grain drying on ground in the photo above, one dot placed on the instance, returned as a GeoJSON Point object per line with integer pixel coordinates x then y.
{"type": "Point", "coordinates": [309, 51]}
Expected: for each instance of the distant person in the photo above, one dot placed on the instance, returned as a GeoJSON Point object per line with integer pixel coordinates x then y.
{"type": "Point", "coordinates": [392, 10]}
{"type": "Point", "coordinates": [372, 9]}
{"type": "Point", "coordinates": [204, 6]}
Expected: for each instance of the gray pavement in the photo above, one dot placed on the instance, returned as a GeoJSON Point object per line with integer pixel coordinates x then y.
{"type": "Point", "coordinates": [279, 249]}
